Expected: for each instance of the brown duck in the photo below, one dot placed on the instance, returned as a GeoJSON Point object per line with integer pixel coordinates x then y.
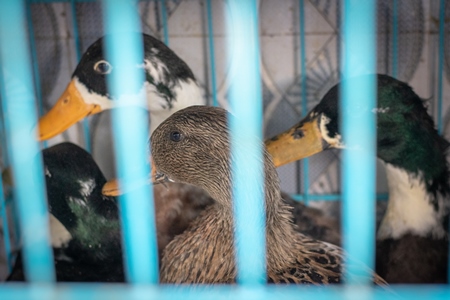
{"type": "Point", "coordinates": [192, 146]}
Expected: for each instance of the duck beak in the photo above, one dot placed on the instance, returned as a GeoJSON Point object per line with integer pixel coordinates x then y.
{"type": "Point", "coordinates": [69, 109]}
{"type": "Point", "coordinates": [112, 187]}
{"type": "Point", "coordinates": [301, 140]}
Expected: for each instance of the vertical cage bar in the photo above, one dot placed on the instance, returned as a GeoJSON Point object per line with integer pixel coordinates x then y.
{"type": "Point", "coordinates": [212, 58]}
{"type": "Point", "coordinates": [5, 227]}
{"type": "Point", "coordinates": [3, 202]}
{"type": "Point", "coordinates": [26, 162]}
{"type": "Point", "coordinates": [441, 62]}
{"type": "Point", "coordinates": [164, 21]}
{"type": "Point", "coordinates": [358, 99]}
{"type": "Point", "coordinates": [130, 127]}
{"type": "Point", "coordinates": [305, 162]}
{"type": "Point", "coordinates": [35, 64]}
{"type": "Point", "coordinates": [394, 38]}
{"type": "Point", "coordinates": [246, 136]}
{"type": "Point", "coordinates": [76, 37]}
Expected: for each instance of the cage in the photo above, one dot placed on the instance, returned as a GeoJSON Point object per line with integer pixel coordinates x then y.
{"type": "Point", "coordinates": [410, 45]}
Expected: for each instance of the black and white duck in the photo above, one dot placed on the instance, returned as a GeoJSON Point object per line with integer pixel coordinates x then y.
{"type": "Point", "coordinates": [412, 240]}
{"type": "Point", "coordinates": [192, 146]}
{"type": "Point", "coordinates": [74, 183]}
{"type": "Point", "coordinates": [169, 84]}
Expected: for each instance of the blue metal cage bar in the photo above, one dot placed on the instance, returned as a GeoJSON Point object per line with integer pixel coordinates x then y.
{"type": "Point", "coordinates": [130, 126]}
{"type": "Point", "coordinates": [246, 137]}
{"type": "Point", "coordinates": [303, 87]}
{"type": "Point", "coordinates": [20, 106]}
{"type": "Point", "coordinates": [220, 292]}
{"type": "Point", "coordinates": [359, 132]}
{"type": "Point", "coordinates": [164, 22]}
{"type": "Point", "coordinates": [3, 201]}
{"type": "Point", "coordinates": [212, 58]}
{"type": "Point", "coordinates": [394, 38]}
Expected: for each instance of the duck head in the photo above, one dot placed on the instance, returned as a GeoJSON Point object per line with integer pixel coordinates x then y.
{"type": "Point", "coordinates": [169, 84]}
{"type": "Point", "coordinates": [178, 150]}
{"type": "Point", "coordinates": [74, 184]}
{"type": "Point", "coordinates": [406, 136]}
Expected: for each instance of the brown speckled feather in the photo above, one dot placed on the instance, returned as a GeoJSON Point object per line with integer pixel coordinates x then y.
{"type": "Point", "coordinates": [176, 205]}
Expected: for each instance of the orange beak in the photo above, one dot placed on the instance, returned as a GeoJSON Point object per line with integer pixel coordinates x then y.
{"type": "Point", "coordinates": [112, 187]}
{"type": "Point", "coordinates": [69, 109]}
{"type": "Point", "coordinates": [301, 140]}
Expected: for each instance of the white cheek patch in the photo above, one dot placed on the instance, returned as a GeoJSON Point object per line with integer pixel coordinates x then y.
{"type": "Point", "coordinates": [106, 103]}
{"type": "Point", "coordinates": [86, 187]}
{"type": "Point", "coordinates": [336, 141]}
{"type": "Point", "coordinates": [91, 97]}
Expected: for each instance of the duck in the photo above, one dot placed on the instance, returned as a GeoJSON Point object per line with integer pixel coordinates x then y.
{"type": "Point", "coordinates": [169, 84]}
{"type": "Point", "coordinates": [412, 238]}
{"type": "Point", "coordinates": [74, 185]}
{"type": "Point", "coordinates": [192, 146]}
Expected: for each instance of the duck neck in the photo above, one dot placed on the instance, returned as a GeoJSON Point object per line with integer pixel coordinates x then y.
{"type": "Point", "coordinates": [280, 232]}
{"type": "Point", "coordinates": [182, 94]}
{"type": "Point", "coordinates": [412, 207]}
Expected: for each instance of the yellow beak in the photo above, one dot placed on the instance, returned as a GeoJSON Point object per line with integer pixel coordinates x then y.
{"type": "Point", "coordinates": [300, 141]}
{"type": "Point", "coordinates": [112, 187]}
{"type": "Point", "coordinates": [69, 109]}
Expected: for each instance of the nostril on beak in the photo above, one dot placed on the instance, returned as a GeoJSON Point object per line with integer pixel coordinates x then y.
{"type": "Point", "coordinates": [298, 134]}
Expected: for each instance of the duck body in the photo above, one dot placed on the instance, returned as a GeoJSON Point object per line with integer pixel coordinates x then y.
{"type": "Point", "coordinates": [192, 146]}
{"type": "Point", "coordinates": [412, 240]}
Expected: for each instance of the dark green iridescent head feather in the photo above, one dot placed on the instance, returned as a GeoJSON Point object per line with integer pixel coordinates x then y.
{"type": "Point", "coordinates": [406, 135]}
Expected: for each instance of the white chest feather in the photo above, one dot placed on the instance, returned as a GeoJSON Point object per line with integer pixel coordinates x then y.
{"type": "Point", "coordinates": [409, 209]}
{"type": "Point", "coordinates": [60, 237]}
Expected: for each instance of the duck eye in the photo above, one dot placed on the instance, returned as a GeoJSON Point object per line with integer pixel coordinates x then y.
{"type": "Point", "coordinates": [102, 67]}
{"type": "Point", "coordinates": [175, 136]}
